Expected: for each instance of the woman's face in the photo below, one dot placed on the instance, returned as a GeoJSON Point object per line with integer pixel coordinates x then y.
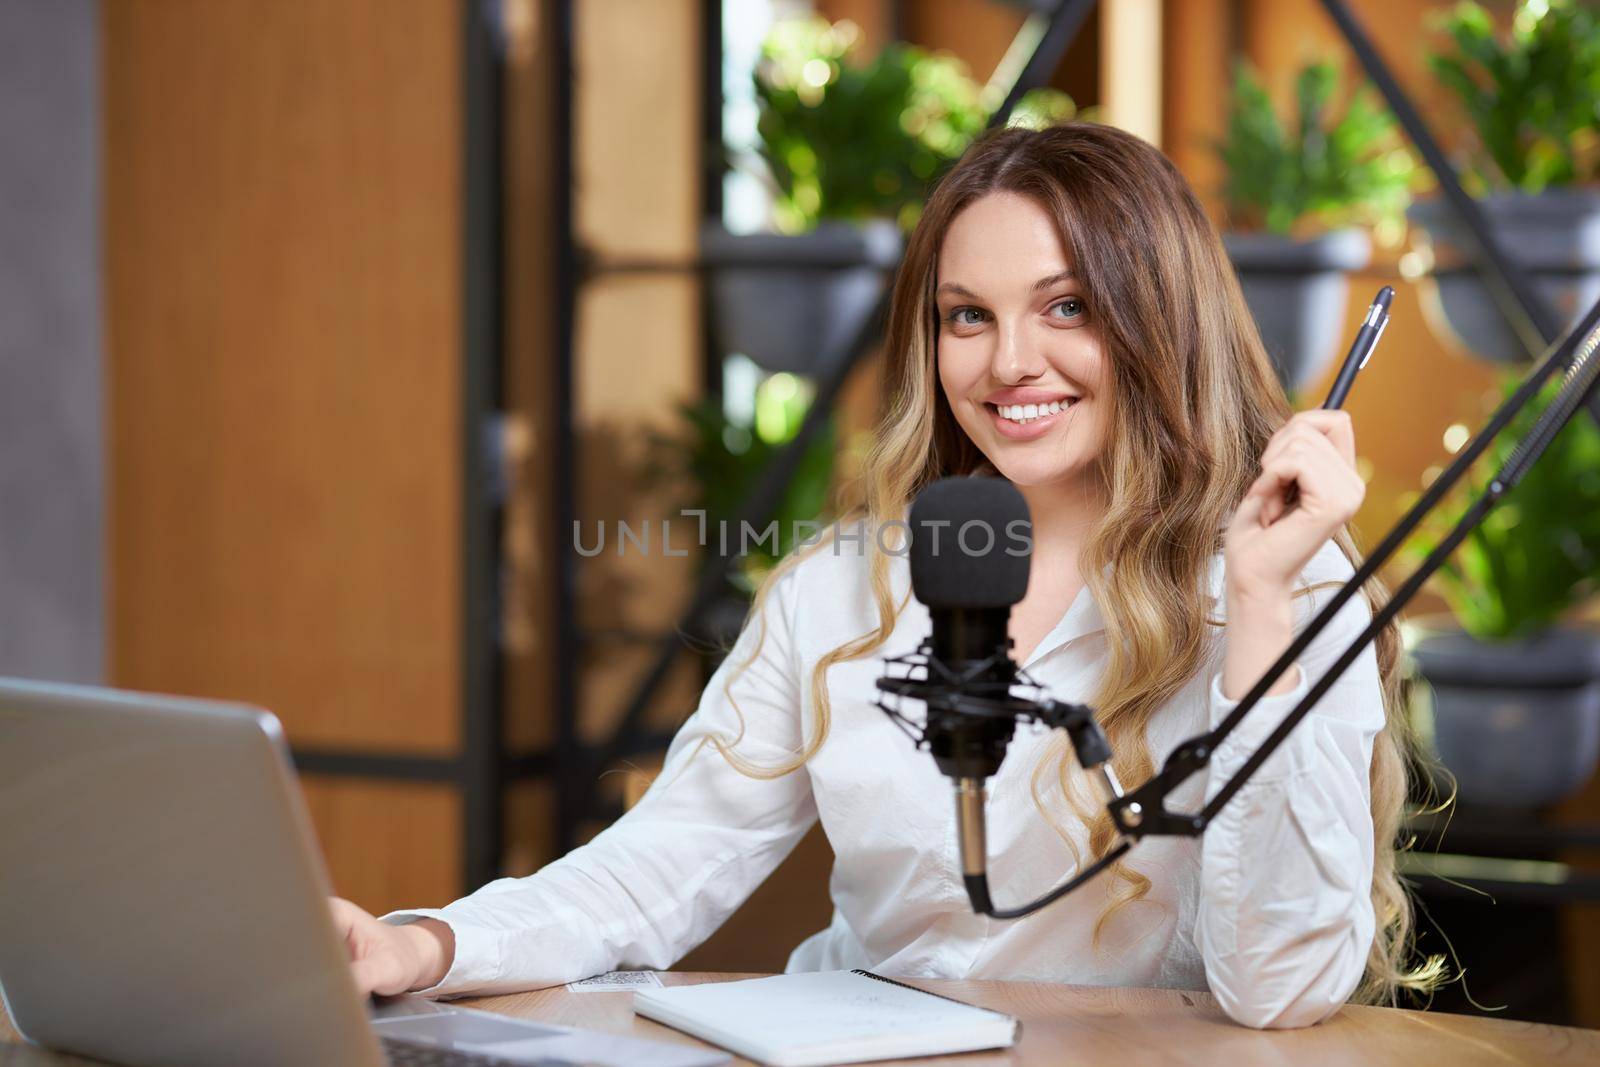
{"type": "Point", "coordinates": [1020, 359]}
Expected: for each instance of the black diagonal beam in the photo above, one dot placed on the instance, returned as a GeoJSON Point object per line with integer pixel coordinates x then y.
{"type": "Point", "coordinates": [1065, 22]}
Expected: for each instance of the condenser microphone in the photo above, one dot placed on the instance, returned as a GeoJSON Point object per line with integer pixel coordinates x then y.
{"type": "Point", "coordinates": [970, 550]}
{"type": "Point", "coordinates": [971, 544]}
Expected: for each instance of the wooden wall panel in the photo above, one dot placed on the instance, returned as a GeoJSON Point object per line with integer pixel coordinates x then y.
{"type": "Point", "coordinates": [638, 127]}
{"type": "Point", "coordinates": [874, 18]}
{"type": "Point", "coordinates": [283, 283]}
{"type": "Point", "coordinates": [388, 845]}
{"type": "Point", "coordinates": [638, 358]}
{"type": "Point", "coordinates": [976, 31]}
{"type": "Point", "coordinates": [530, 827]}
{"type": "Point", "coordinates": [1281, 35]}
{"type": "Point", "coordinates": [1197, 61]}
{"type": "Point", "coordinates": [283, 275]}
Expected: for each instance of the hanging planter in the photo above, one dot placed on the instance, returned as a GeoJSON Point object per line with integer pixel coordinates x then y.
{"type": "Point", "coordinates": [1298, 292]}
{"type": "Point", "coordinates": [1516, 723]}
{"type": "Point", "coordinates": [1554, 237]}
{"type": "Point", "coordinates": [848, 146]}
{"type": "Point", "coordinates": [1516, 715]}
{"type": "Point", "coordinates": [1530, 97]}
{"type": "Point", "coordinates": [789, 302]}
{"type": "Point", "coordinates": [1339, 174]}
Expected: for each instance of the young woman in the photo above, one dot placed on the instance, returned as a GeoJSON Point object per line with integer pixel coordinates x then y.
{"type": "Point", "coordinates": [1066, 317]}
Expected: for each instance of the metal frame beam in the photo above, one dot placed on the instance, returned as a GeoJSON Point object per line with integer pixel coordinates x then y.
{"type": "Point", "coordinates": [564, 617]}
{"type": "Point", "coordinates": [482, 342]}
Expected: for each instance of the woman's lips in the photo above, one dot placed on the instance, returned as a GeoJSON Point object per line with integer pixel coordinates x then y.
{"type": "Point", "coordinates": [1026, 431]}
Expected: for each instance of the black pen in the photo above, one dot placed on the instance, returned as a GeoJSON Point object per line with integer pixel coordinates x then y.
{"type": "Point", "coordinates": [1360, 351]}
{"type": "Point", "coordinates": [1361, 348]}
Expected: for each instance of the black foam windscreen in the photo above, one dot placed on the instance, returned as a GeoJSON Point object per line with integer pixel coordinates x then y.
{"type": "Point", "coordinates": [971, 540]}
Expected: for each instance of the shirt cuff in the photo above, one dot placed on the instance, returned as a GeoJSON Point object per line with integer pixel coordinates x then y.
{"type": "Point", "coordinates": [1253, 730]}
{"type": "Point", "coordinates": [477, 956]}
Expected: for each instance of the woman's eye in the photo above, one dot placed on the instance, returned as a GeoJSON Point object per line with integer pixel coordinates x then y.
{"type": "Point", "coordinates": [965, 316]}
{"type": "Point", "coordinates": [1069, 309]}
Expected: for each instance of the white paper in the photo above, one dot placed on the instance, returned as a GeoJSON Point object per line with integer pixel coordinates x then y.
{"type": "Point", "coordinates": [616, 982]}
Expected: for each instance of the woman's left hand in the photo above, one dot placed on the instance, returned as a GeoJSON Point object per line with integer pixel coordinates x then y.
{"type": "Point", "coordinates": [1269, 543]}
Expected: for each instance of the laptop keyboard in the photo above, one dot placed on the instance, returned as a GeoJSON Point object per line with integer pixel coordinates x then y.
{"type": "Point", "coordinates": [402, 1053]}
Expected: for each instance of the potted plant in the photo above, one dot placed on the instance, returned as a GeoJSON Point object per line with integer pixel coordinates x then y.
{"type": "Point", "coordinates": [1300, 203]}
{"type": "Point", "coordinates": [717, 458]}
{"type": "Point", "coordinates": [1516, 689]}
{"type": "Point", "coordinates": [849, 148]}
{"type": "Point", "coordinates": [1533, 98]}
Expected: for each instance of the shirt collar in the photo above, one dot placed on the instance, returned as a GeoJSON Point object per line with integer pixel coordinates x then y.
{"type": "Point", "coordinates": [1082, 617]}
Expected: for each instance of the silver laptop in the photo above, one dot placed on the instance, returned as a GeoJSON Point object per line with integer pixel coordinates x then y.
{"type": "Point", "coordinates": [162, 902]}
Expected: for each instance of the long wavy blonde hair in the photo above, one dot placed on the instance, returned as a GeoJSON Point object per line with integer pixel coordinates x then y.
{"type": "Point", "coordinates": [1193, 400]}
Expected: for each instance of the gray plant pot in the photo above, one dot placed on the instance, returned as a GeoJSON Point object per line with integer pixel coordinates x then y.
{"type": "Point", "coordinates": [1517, 723]}
{"type": "Point", "coordinates": [1298, 292]}
{"type": "Point", "coordinates": [1554, 236]}
{"type": "Point", "coordinates": [791, 303]}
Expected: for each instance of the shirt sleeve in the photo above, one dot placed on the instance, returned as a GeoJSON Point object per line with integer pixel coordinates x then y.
{"type": "Point", "coordinates": [663, 877]}
{"type": "Point", "coordinates": [1285, 917]}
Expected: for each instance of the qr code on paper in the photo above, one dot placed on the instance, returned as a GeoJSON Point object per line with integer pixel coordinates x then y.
{"type": "Point", "coordinates": [615, 981]}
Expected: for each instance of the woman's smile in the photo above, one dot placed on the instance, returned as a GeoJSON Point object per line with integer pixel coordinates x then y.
{"type": "Point", "coordinates": [1028, 418]}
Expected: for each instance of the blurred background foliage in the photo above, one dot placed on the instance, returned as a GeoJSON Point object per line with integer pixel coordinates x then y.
{"type": "Point", "coordinates": [1532, 96]}
{"type": "Point", "coordinates": [849, 137]}
{"type": "Point", "coordinates": [720, 458]}
{"type": "Point", "coordinates": [1327, 169]}
{"type": "Point", "coordinates": [1537, 554]}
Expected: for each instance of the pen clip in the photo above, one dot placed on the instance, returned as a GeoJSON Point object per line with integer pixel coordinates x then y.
{"type": "Point", "coordinates": [1373, 347]}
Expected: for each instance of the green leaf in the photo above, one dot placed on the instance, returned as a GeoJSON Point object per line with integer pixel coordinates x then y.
{"type": "Point", "coordinates": [1538, 553]}
{"type": "Point", "coordinates": [1332, 170]}
{"type": "Point", "coordinates": [1531, 94]}
{"type": "Point", "coordinates": [880, 131]}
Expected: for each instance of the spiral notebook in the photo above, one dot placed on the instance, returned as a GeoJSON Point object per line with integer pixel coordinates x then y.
{"type": "Point", "coordinates": [827, 1017]}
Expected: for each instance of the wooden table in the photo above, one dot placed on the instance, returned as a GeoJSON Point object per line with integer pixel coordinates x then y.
{"type": "Point", "coordinates": [1124, 1027]}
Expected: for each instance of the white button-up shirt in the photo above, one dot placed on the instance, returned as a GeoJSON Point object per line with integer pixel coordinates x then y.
{"type": "Point", "coordinates": [1269, 909]}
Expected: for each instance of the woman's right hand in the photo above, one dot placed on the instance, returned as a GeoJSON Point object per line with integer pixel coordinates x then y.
{"type": "Point", "coordinates": [387, 959]}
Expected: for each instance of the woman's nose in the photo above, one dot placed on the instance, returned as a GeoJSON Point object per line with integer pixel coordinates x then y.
{"type": "Point", "coordinates": [1016, 356]}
